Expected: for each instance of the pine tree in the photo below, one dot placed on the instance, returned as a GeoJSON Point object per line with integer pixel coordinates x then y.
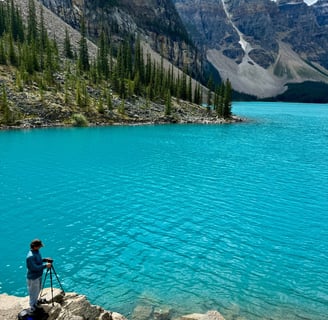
{"type": "Point", "coordinates": [3, 58]}
{"type": "Point", "coordinates": [115, 79]}
{"type": "Point", "coordinates": [19, 81]}
{"type": "Point", "coordinates": [78, 94]}
{"type": "Point", "coordinates": [68, 52]}
{"type": "Point", "coordinates": [66, 90]}
{"type": "Point", "coordinates": [32, 26]}
{"type": "Point", "coordinates": [50, 63]}
{"type": "Point", "coordinates": [216, 98]}
{"type": "Point", "coordinates": [12, 56]}
{"type": "Point", "coordinates": [137, 84]}
{"type": "Point", "coordinates": [189, 90]}
{"type": "Point", "coordinates": [170, 82]}
{"type": "Point", "coordinates": [227, 99]}
{"type": "Point", "coordinates": [43, 32]}
{"type": "Point", "coordinates": [8, 115]}
{"type": "Point", "coordinates": [111, 60]}
{"type": "Point", "coordinates": [19, 27]}
{"type": "Point", "coordinates": [139, 65]}
{"type": "Point", "coordinates": [183, 87]}
{"type": "Point", "coordinates": [157, 81]}
{"type": "Point", "coordinates": [83, 60]}
{"type": "Point", "coordinates": [130, 85]}
{"type": "Point", "coordinates": [148, 70]}
{"type": "Point", "coordinates": [85, 94]}
{"type": "Point", "coordinates": [121, 107]}
{"type": "Point", "coordinates": [209, 92]}
{"type": "Point", "coordinates": [101, 108]}
{"type": "Point", "coordinates": [127, 58]}
{"type": "Point", "coordinates": [201, 95]}
{"type": "Point", "coordinates": [16, 23]}
{"type": "Point", "coordinates": [161, 77]}
{"type": "Point", "coordinates": [197, 98]}
{"type": "Point", "coordinates": [102, 59]}
{"type": "Point", "coordinates": [122, 88]}
{"type": "Point", "coordinates": [168, 103]}
{"type": "Point", "coordinates": [120, 63]}
{"type": "Point", "coordinates": [32, 55]}
{"type": "Point", "coordinates": [109, 101]}
{"type": "Point", "coordinates": [3, 101]}
{"type": "Point", "coordinates": [93, 74]}
{"type": "Point", "coordinates": [178, 88]}
{"type": "Point", "coordinates": [3, 14]}
{"type": "Point", "coordinates": [209, 98]}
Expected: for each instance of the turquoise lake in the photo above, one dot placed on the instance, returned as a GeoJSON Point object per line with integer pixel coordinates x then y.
{"type": "Point", "coordinates": [192, 217]}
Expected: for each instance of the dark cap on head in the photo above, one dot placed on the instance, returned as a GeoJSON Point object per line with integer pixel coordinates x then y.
{"type": "Point", "coordinates": [36, 243]}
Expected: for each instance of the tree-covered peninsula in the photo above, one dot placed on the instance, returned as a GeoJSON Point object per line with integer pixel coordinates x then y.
{"type": "Point", "coordinates": [46, 81]}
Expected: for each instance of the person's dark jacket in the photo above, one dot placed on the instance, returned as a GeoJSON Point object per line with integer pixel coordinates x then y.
{"type": "Point", "coordinates": [34, 265]}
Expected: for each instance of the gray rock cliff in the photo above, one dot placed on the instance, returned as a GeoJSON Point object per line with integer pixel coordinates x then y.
{"type": "Point", "coordinates": [261, 45]}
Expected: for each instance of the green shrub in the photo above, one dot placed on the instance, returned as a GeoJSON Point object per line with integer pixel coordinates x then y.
{"type": "Point", "coordinates": [79, 120]}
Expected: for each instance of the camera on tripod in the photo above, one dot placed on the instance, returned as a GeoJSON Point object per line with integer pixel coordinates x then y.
{"type": "Point", "coordinates": [50, 271]}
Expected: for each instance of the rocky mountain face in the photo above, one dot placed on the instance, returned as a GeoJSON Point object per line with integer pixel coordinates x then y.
{"type": "Point", "coordinates": [261, 45]}
{"type": "Point", "coordinates": [125, 16]}
{"type": "Point", "coordinates": [156, 21]}
{"type": "Point", "coordinates": [321, 11]}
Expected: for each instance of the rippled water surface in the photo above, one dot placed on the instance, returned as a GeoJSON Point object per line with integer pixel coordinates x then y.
{"type": "Point", "coordinates": [194, 217]}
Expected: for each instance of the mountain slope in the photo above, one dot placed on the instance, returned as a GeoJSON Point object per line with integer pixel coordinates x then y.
{"type": "Point", "coordinates": [261, 45]}
{"type": "Point", "coordinates": [156, 21]}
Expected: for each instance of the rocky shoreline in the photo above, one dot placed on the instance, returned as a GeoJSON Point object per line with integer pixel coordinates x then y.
{"type": "Point", "coordinates": [31, 107]}
{"type": "Point", "coordinates": [34, 114]}
{"type": "Point", "coordinates": [38, 123]}
{"type": "Point", "coordinates": [72, 306]}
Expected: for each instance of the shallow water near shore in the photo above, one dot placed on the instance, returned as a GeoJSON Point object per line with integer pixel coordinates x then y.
{"type": "Point", "coordinates": [194, 217]}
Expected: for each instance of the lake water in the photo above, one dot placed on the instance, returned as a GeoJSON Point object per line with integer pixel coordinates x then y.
{"type": "Point", "coordinates": [193, 217]}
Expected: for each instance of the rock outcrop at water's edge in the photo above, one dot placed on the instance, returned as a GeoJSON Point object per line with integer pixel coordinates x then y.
{"type": "Point", "coordinates": [72, 306]}
{"type": "Point", "coordinates": [66, 306]}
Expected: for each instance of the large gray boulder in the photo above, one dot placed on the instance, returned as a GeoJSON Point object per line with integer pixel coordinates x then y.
{"type": "Point", "coordinates": [210, 315]}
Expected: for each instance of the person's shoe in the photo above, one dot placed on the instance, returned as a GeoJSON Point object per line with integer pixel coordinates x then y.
{"type": "Point", "coordinates": [31, 310]}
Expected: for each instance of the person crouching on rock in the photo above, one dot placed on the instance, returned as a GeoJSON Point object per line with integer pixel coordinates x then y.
{"type": "Point", "coordinates": [35, 266]}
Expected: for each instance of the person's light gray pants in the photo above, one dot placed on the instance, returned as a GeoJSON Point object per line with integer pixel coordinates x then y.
{"type": "Point", "coordinates": [34, 288]}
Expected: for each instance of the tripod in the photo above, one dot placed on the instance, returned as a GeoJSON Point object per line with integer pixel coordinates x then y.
{"type": "Point", "coordinates": [51, 271]}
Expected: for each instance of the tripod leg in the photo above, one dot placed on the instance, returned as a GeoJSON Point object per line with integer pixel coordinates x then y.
{"type": "Point", "coordinates": [53, 269]}
{"type": "Point", "coordinates": [44, 281]}
{"type": "Point", "coordinates": [52, 289]}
